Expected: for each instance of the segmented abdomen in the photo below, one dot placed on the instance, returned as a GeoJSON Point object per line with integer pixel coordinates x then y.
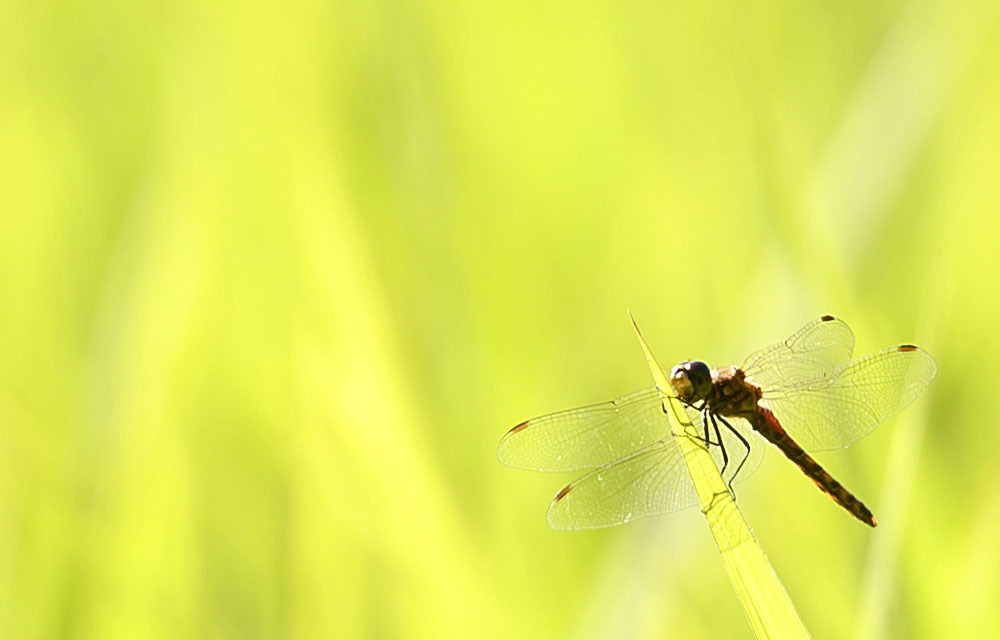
{"type": "Point", "coordinates": [768, 426]}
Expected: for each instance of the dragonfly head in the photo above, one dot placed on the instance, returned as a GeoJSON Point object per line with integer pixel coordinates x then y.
{"type": "Point", "coordinates": [691, 380]}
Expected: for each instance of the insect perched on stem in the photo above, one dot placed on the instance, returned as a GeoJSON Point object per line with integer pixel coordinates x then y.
{"type": "Point", "coordinates": [803, 394]}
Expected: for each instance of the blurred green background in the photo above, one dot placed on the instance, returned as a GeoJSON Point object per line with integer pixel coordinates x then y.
{"type": "Point", "coordinates": [276, 277]}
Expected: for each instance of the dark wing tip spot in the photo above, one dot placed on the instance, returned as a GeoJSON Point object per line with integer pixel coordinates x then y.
{"type": "Point", "coordinates": [520, 427]}
{"type": "Point", "coordinates": [827, 318]}
{"type": "Point", "coordinates": [562, 493]}
{"type": "Point", "coordinates": [906, 347]}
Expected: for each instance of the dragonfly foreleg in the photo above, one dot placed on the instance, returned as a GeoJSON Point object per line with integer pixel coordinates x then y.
{"type": "Point", "coordinates": [745, 455]}
{"type": "Point", "coordinates": [718, 435]}
{"type": "Point", "coordinates": [701, 407]}
{"type": "Point", "coordinates": [707, 439]}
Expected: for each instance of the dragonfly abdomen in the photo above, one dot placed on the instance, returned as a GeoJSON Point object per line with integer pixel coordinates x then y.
{"type": "Point", "coordinates": [768, 426]}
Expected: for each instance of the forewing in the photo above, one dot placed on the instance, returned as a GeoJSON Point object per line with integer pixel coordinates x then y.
{"type": "Point", "coordinates": [823, 345]}
{"type": "Point", "coordinates": [837, 409]}
{"type": "Point", "coordinates": [649, 482]}
{"type": "Point", "coordinates": [587, 437]}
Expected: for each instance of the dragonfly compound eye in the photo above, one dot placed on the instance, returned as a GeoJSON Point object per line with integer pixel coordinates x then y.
{"type": "Point", "coordinates": [701, 378]}
{"type": "Point", "coordinates": [691, 381]}
{"type": "Point", "coordinates": [681, 384]}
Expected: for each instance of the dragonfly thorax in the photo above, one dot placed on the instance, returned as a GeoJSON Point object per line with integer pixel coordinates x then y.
{"type": "Point", "coordinates": [691, 381]}
{"type": "Point", "coordinates": [732, 394]}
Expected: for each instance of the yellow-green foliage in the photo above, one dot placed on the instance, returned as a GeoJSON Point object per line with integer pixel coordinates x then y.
{"type": "Point", "coordinates": [275, 277]}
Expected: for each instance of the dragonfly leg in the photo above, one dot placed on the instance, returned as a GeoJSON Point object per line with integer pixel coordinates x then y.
{"type": "Point", "coordinates": [718, 435]}
{"type": "Point", "coordinates": [703, 409]}
{"type": "Point", "coordinates": [707, 439]}
{"type": "Point", "coordinates": [689, 404]}
{"type": "Point", "coordinates": [745, 455]}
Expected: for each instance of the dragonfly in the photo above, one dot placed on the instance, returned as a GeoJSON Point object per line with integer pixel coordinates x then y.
{"type": "Point", "coordinates": [804, 394]}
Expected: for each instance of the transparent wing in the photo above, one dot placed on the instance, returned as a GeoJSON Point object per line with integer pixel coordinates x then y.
{"type": "Point", "coordinates": [648, 482]}
{"type": "Point", "coordinates": [834, 410]}
{"type": "Point", "coordinates": [587, 437]}
{"type": "Point", "coordinates": [823, 345]}
{"type": "Point", "coordinates": [596, 435]}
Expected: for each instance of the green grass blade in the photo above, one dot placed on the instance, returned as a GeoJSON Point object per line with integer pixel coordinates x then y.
{"type": "Point", "coordinates": [766, 603]}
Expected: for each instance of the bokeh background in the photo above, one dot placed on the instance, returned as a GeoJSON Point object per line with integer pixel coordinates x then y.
{"type": "Point", "coordinates": [276, 277]}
